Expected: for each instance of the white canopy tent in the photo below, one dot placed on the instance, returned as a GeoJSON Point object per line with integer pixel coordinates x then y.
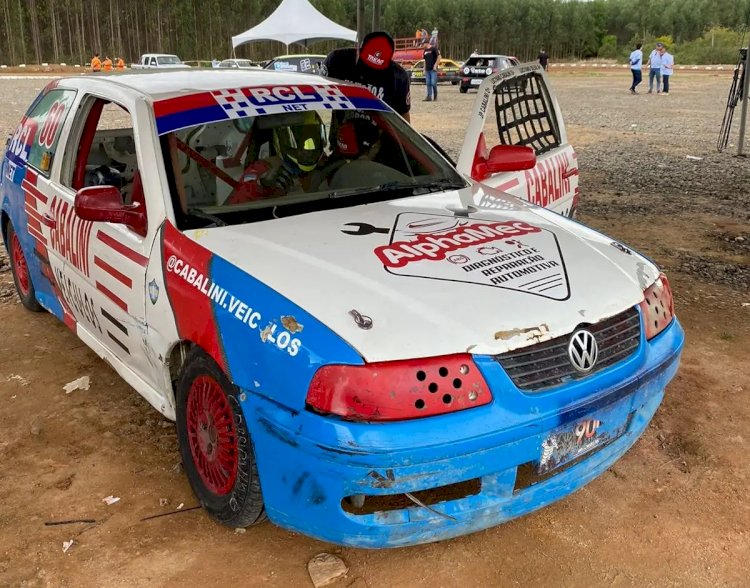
{"type": "Point", "coordinates": [294, 21]}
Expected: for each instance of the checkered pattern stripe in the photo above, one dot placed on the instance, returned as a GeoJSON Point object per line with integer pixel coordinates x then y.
{"type": "Point", "coordinates": [234, 103]}
{"type": "Point", "coordinates": [333, 97]}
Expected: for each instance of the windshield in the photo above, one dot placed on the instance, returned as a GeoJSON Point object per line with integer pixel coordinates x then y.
{"type": "Point", "coordinates": [168, 60]}
{"type": "Point", "coordinates": [255, 165]}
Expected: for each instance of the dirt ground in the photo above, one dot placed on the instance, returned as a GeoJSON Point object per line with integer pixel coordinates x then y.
{"type": "Point", "coordinates": [673, 512]}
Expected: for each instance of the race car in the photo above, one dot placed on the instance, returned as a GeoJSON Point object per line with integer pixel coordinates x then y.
{"type": "Point", "coordinates": [448, 71]}
{"type": "Point", "coordinates": [307, 63]}
{"type": "Point", "coordinates": [356, 339]}
{"type": "Point", "coordinates": [478, 67]}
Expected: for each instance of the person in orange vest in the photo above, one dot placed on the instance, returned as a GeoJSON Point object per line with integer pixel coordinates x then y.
{"type": "Point", "coordinates": [107, 63]}
{"type": "Point", "coordinates": [120, 64]}
{"type": "Point", "coordinates": [96, 63]}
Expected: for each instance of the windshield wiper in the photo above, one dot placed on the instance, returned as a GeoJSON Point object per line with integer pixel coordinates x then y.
{"type": "Point", "coordinates": [399, 186]}
{"type": "Point", "coordinates": [215, 220]}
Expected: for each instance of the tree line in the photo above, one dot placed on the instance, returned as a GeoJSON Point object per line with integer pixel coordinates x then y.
{"type": "Point", "coordinates": [70, 31]}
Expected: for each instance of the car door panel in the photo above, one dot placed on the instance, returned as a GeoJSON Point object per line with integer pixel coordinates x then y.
{"type": "Point", "coordinates": [516, 107]}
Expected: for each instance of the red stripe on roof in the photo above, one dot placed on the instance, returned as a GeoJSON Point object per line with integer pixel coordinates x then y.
{"type": "Point", "coordinates": [122, 249]}
{"type": "Point", "coordinates": [182, 103]}
{"type": "Point", "coordinates": [116, 274]}
{"type": "Point", "coordinates": [112, 296]}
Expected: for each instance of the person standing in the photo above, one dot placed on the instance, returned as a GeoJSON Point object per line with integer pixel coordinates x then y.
{"type": "Point", "coordinates": [371, 65]}
{"type": "Point", "coordinates": [654, 68]}
{"type": "Point", "coordinates": [636, 62]}
{"type": "Point", "coordinates": [667, 68]}
{"type": "Point", "coordinates": [543, 58]}
{"type": "Point", "coordinates": [96, 63]}
{"type": "Point", "coordinates": [431, 58]}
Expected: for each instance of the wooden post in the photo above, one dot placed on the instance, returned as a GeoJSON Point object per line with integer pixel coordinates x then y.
{"type": "Point", "coordinates": [360, 21]}
{"type": "Point", "coordinates": [375, 15]}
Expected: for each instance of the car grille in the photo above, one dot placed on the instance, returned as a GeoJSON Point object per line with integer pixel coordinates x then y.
{"type": "Point", "coordinates": [547, 364]}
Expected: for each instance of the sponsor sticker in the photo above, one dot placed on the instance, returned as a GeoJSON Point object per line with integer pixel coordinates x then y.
{"type": "Point", "coordinates": [513, 255]}
{"type": "Point", "coordinates": [239, 309]}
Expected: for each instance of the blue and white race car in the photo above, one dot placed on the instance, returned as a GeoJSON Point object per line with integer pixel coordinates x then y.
{"type": "Point", "coordinates": [355, 339]}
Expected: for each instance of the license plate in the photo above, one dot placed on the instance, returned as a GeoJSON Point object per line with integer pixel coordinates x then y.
{"type": "Point", "coordinates": [583, 436]}
{"type": "Point", "coordinates": [476, 81]}
{"type": "Point", "coordinates": [417, 75]}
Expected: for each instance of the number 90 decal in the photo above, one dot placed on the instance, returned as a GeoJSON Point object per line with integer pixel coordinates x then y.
{"type": "Point", "coordinates": [51, 124]}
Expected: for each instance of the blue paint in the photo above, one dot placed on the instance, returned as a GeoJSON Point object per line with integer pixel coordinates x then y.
{"type": "Point", "coordinates": [12, 200]}
{"type": "Point", "coordinates": [305, 480]}
{"type": "Point", "coordinates": [277, 368]}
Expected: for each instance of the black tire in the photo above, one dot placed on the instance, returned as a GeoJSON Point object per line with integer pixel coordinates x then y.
{"type": "Point", "coordinates": [463, 90]}
{"type": "Point", "coordinates": [223, 476]}
{"type": "Point", "coordinates": [20, 270]}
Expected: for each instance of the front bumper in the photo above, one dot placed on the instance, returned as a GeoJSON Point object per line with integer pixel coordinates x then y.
{"type": "Point", "coordinates": [309, 463]}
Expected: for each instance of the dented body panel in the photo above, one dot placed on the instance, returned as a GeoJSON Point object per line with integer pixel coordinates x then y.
{"type": "Point", "coordinates": [309, 464]}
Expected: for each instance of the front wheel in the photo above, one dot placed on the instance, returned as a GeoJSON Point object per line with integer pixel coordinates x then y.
{"type": "Point", "coordinates": [20, 270]}
{"type": "Point", "coordinates": [215, 445]}
{"type": "Point", "coordinates": [463, 90]}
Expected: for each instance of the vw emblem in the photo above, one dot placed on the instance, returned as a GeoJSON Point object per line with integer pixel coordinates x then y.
{"type": "Point", "coordinates": [583, 351]}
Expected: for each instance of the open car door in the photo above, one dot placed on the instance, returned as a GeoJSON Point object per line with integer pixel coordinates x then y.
{"type": "Point", "coordinates": [516, 107]}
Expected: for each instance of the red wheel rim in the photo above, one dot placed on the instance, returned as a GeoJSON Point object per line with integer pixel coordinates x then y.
{"type": "Point", "coordinates": [20, 267]}
{"type": "Point", "coordinates": [212, 435]}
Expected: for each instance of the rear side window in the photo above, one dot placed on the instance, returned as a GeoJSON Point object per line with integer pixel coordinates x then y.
{"type": "Point", "coordinates": [41, 130]}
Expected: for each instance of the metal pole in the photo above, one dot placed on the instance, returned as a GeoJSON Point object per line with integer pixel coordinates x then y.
{"type": "Point", "coordinates": [745, 98]}
{"type": "Point", "coordinates": [375, 15]}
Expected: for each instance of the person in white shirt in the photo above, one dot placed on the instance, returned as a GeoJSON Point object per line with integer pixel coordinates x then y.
{"type": "Point", "coordinates": [654, 71]}
{"type": "Point", "coordinates": [667, 67]}
{"type": "Point", "coordinates": [636, 62]}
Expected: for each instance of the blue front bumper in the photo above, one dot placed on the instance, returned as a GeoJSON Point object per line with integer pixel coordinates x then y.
{"type": "Point", "coordinates": [309, 463]}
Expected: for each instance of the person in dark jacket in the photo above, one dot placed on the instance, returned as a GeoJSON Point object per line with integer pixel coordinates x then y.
{"type": "Point", "coordinates": [431, 57]}
{"type": "Point", "coordinates": [371, 65]}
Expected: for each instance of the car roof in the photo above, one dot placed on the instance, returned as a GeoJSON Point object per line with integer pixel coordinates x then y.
{"type": "Point", "coordinates": [492, 55]}
{"type": "Point", "coordinates": [158, 85]}
{"type": "Point", "coordinates": [300, 55]}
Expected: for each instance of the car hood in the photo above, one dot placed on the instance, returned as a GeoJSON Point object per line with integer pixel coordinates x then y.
{"type": "Point", "coordinates": [473, 270]}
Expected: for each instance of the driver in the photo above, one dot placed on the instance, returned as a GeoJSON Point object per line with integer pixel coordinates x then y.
{"type": "Point", "coordinates": [298, 140]}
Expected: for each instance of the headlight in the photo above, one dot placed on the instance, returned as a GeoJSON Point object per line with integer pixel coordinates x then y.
{"type": "Point", "coordinates": [488, 71]}
{"type": "Point", "coordinates": [657, 306]}
{"type": "Point", "coordinates": [466, 71]}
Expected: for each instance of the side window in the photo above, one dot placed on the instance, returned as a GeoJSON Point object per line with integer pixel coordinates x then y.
{"type": "Point", "coordinates": [153, 61]}
{"type": "Point", "coordinates": [38, 137]}
{"type": "Point", "coordinates": [104, 152]}
{"type": "Point", "coordinates": [524, 115]}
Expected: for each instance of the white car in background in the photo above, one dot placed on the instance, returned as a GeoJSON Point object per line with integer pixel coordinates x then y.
{"type": "Point", "coordinates": [159, 61]}
{"type": "Point", "coordinates": [237, 64]}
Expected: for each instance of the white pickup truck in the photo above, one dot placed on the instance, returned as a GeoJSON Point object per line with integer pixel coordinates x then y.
{"type": "Point", "coordinates": [159, 61]}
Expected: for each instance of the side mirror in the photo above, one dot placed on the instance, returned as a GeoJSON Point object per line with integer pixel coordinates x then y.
{"type": "Point", "coordinates": [104, 204]}
{"type": "Point", "coordinates": [504, 158]}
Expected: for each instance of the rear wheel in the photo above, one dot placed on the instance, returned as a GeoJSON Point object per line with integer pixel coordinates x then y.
{"type": "Point", "coordinates": [215, 444]}
{"type": "Point", "coordinates": [20, 270]}
{"type": "Point", "coordinates": [463, 89]}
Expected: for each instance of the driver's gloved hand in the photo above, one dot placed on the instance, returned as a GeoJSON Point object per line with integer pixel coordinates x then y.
{"type": "Point", "coordinates": [280, 175]}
